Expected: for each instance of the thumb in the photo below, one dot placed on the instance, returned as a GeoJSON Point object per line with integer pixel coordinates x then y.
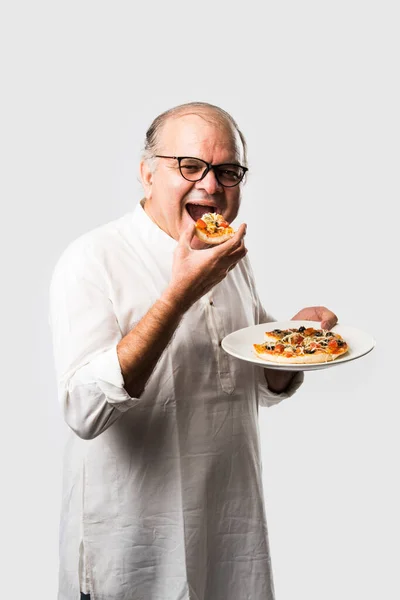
{"type": "Point", "coordinates": [187, 235]}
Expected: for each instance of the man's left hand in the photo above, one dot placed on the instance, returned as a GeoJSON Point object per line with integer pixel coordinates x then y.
{"type": "Point", "coordinates": [327, 318]}
{"type": "Point", "coordinates": [278, 381]}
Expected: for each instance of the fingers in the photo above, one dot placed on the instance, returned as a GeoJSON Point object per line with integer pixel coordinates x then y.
{"type": "Point", "coordinates": [232, 259]}
{"type": "Point", "coordinates": [327, 318]}
{"type": "Point", "coordinates": [233, 244]}
{"type": "Point", "coordinates": [241, 232]}
{"type": "Point", "coordinates": [328, 324]}
{"type": "Point", "coordinates": [224, 256]}
{"type": "Point", "coordinates": [234, 252]}
{"type": "Point", "coordinates": [238, 239]}
{"type": "Point", "coordinates": [238, 252]}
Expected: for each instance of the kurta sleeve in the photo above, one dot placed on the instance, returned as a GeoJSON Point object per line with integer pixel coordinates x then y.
{"type": "Point", "coordinates": [85, 334]}
{"type": "Point", "coordinates": [268, 398]}
{"type": "Point", "coordinates": [265, 396]}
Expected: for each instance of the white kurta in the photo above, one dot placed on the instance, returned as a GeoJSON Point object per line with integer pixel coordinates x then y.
{"type": "Point", "coordinates": [162, 496]}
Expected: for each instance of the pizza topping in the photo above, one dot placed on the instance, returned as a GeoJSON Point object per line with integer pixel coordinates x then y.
{"type": "Point", "coordinates": [212, 222]}
{"type": "Point", "coordinates": [302, 342]}
{"type": "Point", "coordinates": [212, 228]}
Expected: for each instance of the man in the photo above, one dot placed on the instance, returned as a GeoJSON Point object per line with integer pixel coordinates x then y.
{"type": "Point", "coordinates": [162, 492]}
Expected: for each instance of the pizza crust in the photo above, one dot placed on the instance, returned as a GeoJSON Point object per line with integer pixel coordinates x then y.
{"type": "Point", "coordinates": [214, 239]}
{"type": "Point", "coordinates": [316, 357]}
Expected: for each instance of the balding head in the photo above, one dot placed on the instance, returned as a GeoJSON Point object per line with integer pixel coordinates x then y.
{"type": "Point", "coordinates": [209, 112]}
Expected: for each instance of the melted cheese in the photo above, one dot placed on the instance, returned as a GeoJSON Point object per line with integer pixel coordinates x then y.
{"type": "Point", "coordinates": [212, 220]}
{"type": "Point", "coordinates": [319, 342]}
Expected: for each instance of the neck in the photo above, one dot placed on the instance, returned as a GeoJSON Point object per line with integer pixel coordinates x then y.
{"type": "Point", "coordinates": [147, 209]}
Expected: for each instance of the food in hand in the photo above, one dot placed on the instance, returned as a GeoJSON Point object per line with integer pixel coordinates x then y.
{"type": "Point", "coordinates": [213, 229]}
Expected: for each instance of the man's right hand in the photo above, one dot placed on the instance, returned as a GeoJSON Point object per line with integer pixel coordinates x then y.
{"type": "Point", "coordinates": [195, 272]}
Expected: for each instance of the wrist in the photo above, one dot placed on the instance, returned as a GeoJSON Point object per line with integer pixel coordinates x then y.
{"type": "Point", "coordinates": [278, 381]}
{"type": "Point", "coordinates": [175, 301]}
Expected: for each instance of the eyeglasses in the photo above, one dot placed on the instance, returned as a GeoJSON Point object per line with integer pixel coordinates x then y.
{"type": "Point", "coordinates": [195, 169]}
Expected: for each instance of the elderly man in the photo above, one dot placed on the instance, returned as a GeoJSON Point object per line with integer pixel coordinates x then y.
{"type": "Point", "coordinates": [162, 492]}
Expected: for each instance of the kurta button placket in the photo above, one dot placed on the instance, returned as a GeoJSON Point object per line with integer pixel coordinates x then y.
{"type": "Point", "coordinates": [215, 322]}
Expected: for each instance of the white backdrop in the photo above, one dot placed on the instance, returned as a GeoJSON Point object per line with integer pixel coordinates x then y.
{"type": "Point", "coordinates": [315, 88]}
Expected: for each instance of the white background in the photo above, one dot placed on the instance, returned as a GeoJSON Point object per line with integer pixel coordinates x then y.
{"type": "Point", "coordinates": [315, 88]}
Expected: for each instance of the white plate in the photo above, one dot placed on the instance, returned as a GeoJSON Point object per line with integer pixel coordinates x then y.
{"type": "Point", "coordinates": [240, 344]}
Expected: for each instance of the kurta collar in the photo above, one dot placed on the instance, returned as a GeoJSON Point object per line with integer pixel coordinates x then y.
{"type": "Point", "coordinates": [150, 232]}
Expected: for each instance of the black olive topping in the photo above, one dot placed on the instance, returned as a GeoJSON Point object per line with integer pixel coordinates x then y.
{"type": "Point", "coordinates": [301, 329]}
{"type": "Point", "coordinates": [269, 346]}
{"type": "Point", "coordinates": [307, 351]}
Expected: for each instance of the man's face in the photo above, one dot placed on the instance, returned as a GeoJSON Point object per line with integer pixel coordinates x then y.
{"type": "Point", "coordinates": [172, 201]}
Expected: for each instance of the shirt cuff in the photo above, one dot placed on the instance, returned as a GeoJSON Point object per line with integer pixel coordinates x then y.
{"type": "Point", "coordinates": [105, 370]}
{"type": "Point", "coordinates": [268, 398]}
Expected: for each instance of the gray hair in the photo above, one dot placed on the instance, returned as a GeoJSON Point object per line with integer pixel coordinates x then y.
{"type": "Point", "coordinates": [153, 132]}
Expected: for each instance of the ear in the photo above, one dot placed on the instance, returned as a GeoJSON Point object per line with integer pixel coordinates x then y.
{"type": "Point", "coordinates": [146, 177]}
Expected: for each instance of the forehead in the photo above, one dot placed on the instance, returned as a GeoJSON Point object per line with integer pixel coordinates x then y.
{"type": "Point", "coordinates": [201, 136]}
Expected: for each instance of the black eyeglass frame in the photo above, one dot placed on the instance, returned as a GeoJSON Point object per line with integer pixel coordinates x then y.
{"type": "Point", "coordinates": [207, 169]}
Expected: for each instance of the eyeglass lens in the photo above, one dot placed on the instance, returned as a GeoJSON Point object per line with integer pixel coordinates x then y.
{"type": "Point", "coordinates": [228, 175]}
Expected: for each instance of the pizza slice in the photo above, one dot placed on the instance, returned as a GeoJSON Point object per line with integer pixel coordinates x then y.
{"type": "Point", "coordinates": [303, 345]}
{"type": "Point", "coordinates": [213, 229]}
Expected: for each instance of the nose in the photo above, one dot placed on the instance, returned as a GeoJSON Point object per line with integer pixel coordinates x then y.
{"type": "Point", "coordinates": [209, 183]}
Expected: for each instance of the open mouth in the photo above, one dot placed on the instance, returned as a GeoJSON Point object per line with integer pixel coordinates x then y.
{"type": "Point", "coordinates": [196, 211]}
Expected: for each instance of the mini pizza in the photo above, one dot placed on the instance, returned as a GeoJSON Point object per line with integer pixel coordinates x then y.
{"type": "Point", "coordinates": [303, 345]}
{"type": "Point", "coordinates": [213, 229]}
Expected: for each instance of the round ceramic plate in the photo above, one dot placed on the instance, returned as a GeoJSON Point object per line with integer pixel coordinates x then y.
{"type": "Point", "coordinates": [240, 344]}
